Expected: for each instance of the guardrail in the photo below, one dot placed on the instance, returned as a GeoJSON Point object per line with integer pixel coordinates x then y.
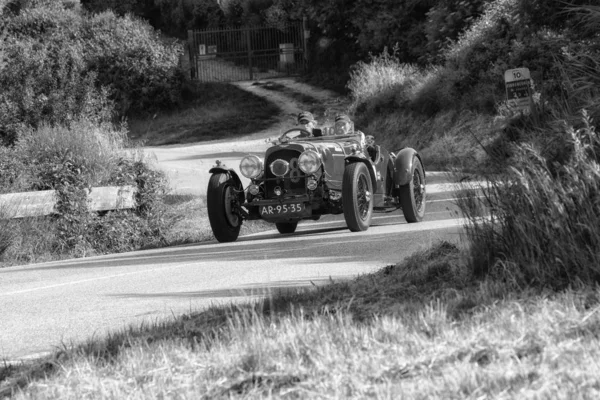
{"type": "Point", "coordinates": [40, 203]}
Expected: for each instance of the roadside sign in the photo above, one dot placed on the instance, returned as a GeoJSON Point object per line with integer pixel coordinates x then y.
{"type": "Point", "coordinates": [518, 89]}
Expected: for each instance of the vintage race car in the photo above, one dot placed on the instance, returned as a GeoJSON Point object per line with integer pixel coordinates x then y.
{"type": "Point", "coordinates": [303, 177]}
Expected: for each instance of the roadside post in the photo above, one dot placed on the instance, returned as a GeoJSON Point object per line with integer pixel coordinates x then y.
{"type": "Point", "coordinates": [518, 89]}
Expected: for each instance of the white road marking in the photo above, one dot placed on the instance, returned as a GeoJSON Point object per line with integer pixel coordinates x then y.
{"type": "Point", "coordinates": [70, 283]}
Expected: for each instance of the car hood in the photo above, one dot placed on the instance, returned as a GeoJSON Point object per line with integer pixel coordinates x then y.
{"type": "Point", "coordinates": [333, 154]}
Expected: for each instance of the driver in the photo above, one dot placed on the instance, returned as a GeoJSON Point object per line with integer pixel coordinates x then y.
{"type": "Point", "coordinates": [308, 122]}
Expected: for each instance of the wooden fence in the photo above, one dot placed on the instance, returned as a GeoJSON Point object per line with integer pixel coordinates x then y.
{"type": "Point", "coordinates": [36, 204]}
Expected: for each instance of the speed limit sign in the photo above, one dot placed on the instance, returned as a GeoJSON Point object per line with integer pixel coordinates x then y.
{"type": "Point", "coordinates": [518, 89]}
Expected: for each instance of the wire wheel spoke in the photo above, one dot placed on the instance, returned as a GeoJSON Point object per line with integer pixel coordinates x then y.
{"type": "Point", "coordinates": [231, 216]}
{"type": "Point", "coordinates": [418, 189]}
{"type": "Point", "coordinates": [363, 197]}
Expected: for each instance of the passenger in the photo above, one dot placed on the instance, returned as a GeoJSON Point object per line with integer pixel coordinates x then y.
{"type": "Point", "coordinates": [343, 125]}
{"type": "Point", "coordinates": [308, 122]}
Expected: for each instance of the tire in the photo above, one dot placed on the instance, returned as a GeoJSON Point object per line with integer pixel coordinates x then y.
{"type": "Point", "coordinates": [357, 197]}
{"type": "Point", "coordinates": [286, 227]}
{"type": "Point", "coordinates": [220, 196]}
{"type": "Point", "coordinates": [412, 196]}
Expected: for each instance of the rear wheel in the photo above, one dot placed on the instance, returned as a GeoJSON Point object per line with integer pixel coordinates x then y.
{"type": "Point", "coordinates": [412, 196]}
{"type": "Point", "coordinates": [286, 227]}
{"type": "Point", "coordinates": [222, 200]}
{"type": "Point", "coordinates": [357, 197]}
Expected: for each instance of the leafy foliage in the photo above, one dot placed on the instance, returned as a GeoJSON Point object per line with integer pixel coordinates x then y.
{"type": "Point", "coordinates": [129, 57]}
{"type": "Point", "coordinates": [172, 17]}
{"type": "Point", "coordinates": [60, 65]}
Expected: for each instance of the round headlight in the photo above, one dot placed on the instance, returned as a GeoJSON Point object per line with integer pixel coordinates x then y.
{"type": "Point", "coordinates": [251, 166]}
{"type": "Point", "coordinates": [280, 167]}
{"type": "Point", "coordinates": [309, 162]}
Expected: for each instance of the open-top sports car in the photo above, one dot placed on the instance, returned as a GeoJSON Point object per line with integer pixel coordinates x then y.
{"type": "Point", "coordinates": [303, 177]}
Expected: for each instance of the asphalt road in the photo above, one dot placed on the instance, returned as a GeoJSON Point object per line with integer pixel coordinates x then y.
{"type": "Point", "coordinates": [46, 305]}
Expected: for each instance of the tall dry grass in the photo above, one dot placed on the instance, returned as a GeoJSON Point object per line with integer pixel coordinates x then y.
{"type": "Point", "coordinates": [544, 226]}
{"type": "Point", "coordinates": [384, 75]}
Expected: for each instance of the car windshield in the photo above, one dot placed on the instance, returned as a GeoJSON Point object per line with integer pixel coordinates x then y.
{"type": "Point", "coordinates": [300, 134]}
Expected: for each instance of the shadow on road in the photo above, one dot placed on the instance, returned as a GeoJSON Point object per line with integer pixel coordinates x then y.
{"type": "Point", "coordinates": [246, 291]}
{"type": "Point", "coordinates": [306, 247]}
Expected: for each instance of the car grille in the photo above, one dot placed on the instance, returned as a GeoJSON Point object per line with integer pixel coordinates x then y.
{"type": "Point", "coordinates": [294, 182]}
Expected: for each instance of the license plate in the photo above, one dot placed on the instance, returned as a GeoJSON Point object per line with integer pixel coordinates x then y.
{"type": "Point", "coordinates": [279, 209]}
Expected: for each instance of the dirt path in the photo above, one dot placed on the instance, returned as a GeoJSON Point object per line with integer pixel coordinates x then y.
{"type": "Point", "coordinates": [187, 165]}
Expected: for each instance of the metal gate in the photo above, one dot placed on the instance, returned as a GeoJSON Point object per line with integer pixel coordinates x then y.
{"type": "Point", "coordinates": [228, 55]}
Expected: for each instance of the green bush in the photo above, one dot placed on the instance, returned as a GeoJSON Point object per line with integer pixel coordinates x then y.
{"type": "Point", "coordinates": [47, 83]}
{"type": "Point", "coordinates": [71, 160]}
{"type": "Point", "coordinates": [85, 149]}
{"type": "Point", "coordinates": [446, 20]}
{"type": "Point", "coordinates": [61, 65]}
{"type": "Point", "coordinates": [119, 231]}
{"type": "Point", "coordinates": [129, 57]}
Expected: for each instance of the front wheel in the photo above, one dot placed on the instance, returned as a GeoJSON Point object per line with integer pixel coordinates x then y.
{"type": "Point", "coordinates": [412, 195]}
{"type": "Point", "coordinates": [357, 197]}
{"type": "Point", "coordinates": [286, 227]}
{"type": "Point", "coordinates": [221, 203]}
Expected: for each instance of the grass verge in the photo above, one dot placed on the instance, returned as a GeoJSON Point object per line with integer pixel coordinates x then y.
{"type": "Point", "coordinates": [211, 111]}
{"type": "Point", "coordinates": [425, 328]}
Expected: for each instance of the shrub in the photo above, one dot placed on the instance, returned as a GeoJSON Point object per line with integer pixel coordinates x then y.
{"type": "Point", "coordinates": [61, 65]}
{"type": "Point", "coordinates": [84, 148]}
{"type": "Point", "coordinates": [13, 177]}
{"type": "Point", "coordinates": [45, 78]}
{"type": "Point", "coordinates": [128, 56]}
{"type": "Point", "coordinates": [446, 20]}
{"type": "Point", "coordinates": [118, 231]}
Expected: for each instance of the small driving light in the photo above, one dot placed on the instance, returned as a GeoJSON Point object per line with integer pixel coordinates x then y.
{"type": "Point", "coordinates": [311, 183]}
{"type": "Point", "coordinates": [335, 195]}
{"type": "Point", "coordinates": [277, 191]}
{"type": "Point", "coordinates": [280, 167]}
{"type": "Point", "coordinates": [309, 162]}
{"type": "Point", "coordinates": [253, 189]}
{"type": "Point", "coordinates": [354, 148]}
{"type": "Point", "coordinates": [251, 166]}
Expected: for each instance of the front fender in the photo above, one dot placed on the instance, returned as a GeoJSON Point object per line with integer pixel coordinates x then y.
{"type": "Point", "coordinates": [370, 167]}
{"type": "Point", "coordinates": [404, 165]}
{"type": "Point", "coordinates": [232, 174]}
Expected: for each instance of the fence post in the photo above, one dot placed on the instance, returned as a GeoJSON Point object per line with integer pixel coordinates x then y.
{"type": "Point", "coordinates": [249, 45]}
{"type": "Point", "coordinates": [191, 49]}
{"type": "Point", "coordinates": [305, 37]}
